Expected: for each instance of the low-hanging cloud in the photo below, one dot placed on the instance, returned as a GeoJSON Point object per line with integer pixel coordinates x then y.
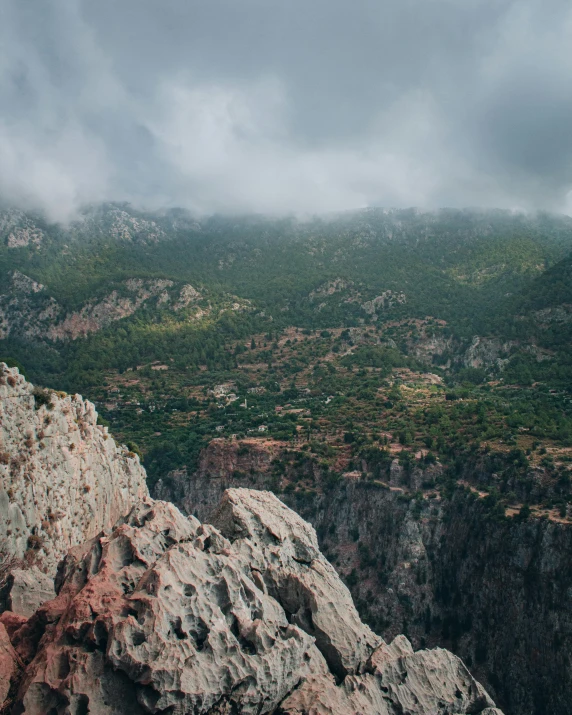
{"type": "Point", "coordinates": [260, 105]}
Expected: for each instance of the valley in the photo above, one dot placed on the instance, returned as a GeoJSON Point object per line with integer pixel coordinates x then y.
{"type": "Point", "coordinates": [401, 379]}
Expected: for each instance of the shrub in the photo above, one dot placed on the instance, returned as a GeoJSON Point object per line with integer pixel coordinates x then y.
{"type": "Point", "coordinates": [352, 578]}
{"type": "Point", "coordinates": [524, 513]}
{"type": "Point", "coordinates": [42, 397]}
{"type": "Point", "coordinates": [134, 450]}
{"type": "Point", "coordinates": [35, 542]}
{"type": "Point", "coordinates": [102, 421]}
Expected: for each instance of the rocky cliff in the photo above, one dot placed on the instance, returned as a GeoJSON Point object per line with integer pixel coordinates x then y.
{"type": "Point", "coordinates": [27, 310]}
{"type": "Point", "coordinates": [444, 572]}
{"type": "Point", "coordinates": [62, 478]}
{"type": "Point", "coordinates": [166, 614]}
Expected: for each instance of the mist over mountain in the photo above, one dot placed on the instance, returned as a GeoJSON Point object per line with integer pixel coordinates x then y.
{"type": "Point", "coordinates": [273, 108]}
{"type": "Point", "coordinates": [400, 378]}
{"type": "Point", "coordinates": [310, 263]}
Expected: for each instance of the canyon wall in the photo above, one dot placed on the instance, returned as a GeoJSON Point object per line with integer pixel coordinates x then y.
{"type": "Point", "coordinates": [442, 571]}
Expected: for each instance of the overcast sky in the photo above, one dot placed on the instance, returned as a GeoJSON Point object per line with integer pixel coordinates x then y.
{"type": "Point", "coordinates": [290, 105]}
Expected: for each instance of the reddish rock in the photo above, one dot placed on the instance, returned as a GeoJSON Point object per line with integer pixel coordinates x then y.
{"type": "Point", "coordinates": [169, 615]}
{"type": "Point", "coordinates": [8, 664]}
{"type": "Point", "coordinates": [12, 622]}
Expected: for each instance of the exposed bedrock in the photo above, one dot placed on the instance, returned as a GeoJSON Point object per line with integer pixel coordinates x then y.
{"type": "Point", "coordinates": [166, 614]}
{"type": "Point", "coordinates": [62, 477]}
{"type": "Point", "coordinates": [443, 572]}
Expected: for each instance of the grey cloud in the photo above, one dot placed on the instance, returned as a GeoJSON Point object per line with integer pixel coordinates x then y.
{"type": "Point", "coordinates": [260, 105]}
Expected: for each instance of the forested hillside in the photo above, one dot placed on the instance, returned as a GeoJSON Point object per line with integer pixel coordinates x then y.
{"type": "Point", "coordinates": [446, 333]}
{"type": "Point", "coordinates": [402, 379]}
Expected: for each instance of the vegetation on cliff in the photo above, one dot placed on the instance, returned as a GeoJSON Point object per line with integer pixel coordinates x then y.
{"type": "Point", "coordinates": [341, 336]}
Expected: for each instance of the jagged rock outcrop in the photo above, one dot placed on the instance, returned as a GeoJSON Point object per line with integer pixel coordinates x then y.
{"type": "Point", "coordinates": [62, 477]}
{"type": "Point", "coordinates": [445, 572]}
{"type": "Point", "coordinates": [282, 547]}
{"type": "Point", "coordinates": [488, 352]}
{"type": "Point", "coordinates": [96, 314]}
{"type": "Point", "coordinates": [8, 664]}
{"type": "Point", "coordinates": [169, 615]}
{"type": "Point", "coordinates": [388, 299]}
{"type": "Point", "coordinates": [29, 311]}
{"type": "Point", "coordinates": [19, 229]}
{"type": "Point", "coordinates": [337, 285]}
{"type": "Point", "coordinates": [398, 681]}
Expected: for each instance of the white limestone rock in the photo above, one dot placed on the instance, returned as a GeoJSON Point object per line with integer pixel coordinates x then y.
{"type": "Point", "coordinates": [170, 615]}
{"type": "Point", "coordinates": [283, 548]}
{"type": "Point", "coordinates": [62, 478]}
{"type": "Point", "coordinates": [398, 681]}
{"type": "Point", "coordinates": [27, 590]}
{"type": "Point", "coordinates": [167, 615]}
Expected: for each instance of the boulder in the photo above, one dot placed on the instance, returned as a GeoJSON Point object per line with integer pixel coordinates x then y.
{"type": "Point", "coordinates": [27, 590]}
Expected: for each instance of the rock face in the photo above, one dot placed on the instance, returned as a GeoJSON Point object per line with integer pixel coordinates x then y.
{"type": "Point", "coordinates": [496, 593]}
{"type": "Point", "coordinates": [198, 493]}
{"type": "Point", "coordinates": [243, 616]}
{"type": "Point", "coordinates": [488, 352]}
{"type": "Point", "coordinates": [62, 478]}
{"type": "Point", "coordinates": [96, 314]}
{"type": "Point", "coordinates": [19, 229]}
{"type": "Point", "coordinates": [228, 463]}
{"type": "Point", "coordinates": [387, 299]}
{"type": "Point", "coordinates": [27, 589]}
{"type": "Point", "coordinates": [28, 310]}
{"type": "Point", "coordinates": [8, 664]}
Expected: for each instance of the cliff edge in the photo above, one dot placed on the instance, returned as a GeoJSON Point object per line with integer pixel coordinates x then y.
{"type": "Point", "coordinates": [62, 477]}
{"type": "Point", "coordinates": [153, 612]}
{"type": "Point", "coordinates": [243, 615]}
